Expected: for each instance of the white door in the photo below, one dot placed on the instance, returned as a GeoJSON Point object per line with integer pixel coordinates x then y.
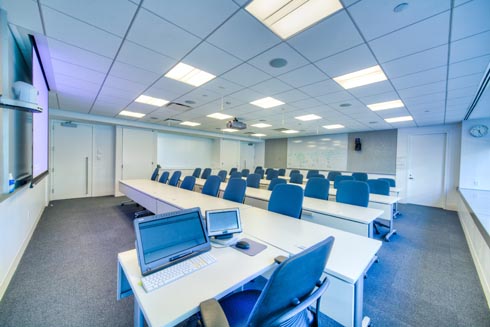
{"type": "Point", "coordinates": [72, 161]}
{"type": "Point", "coordinates": [247, 155]}
{"type": "Point", "coordinates": [230, 154]}
{"type": "Point", "coordinates": [426, 170]}
{"type": "Point", "coordinates": [139, 148]}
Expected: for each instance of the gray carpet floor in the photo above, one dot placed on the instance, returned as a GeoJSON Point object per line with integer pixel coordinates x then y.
{"type": "Point", "coordinates": [67, 276]}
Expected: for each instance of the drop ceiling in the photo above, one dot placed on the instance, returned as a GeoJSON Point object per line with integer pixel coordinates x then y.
{"type": "Point", "coordinates": [104, 54]}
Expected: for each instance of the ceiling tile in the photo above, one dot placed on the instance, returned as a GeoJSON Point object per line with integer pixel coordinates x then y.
{"type": "Point", "coordinates": [377, 18]}
{"type": "Point", "coordinates": [168, 89]}
{"type": "Point", "coordinates": [211, 59]}
{"type": "Point", "coordinates": [132, 73]}
{"type": "Point", "coordinates": [78, 72]}
{"type": "Point", "coordinates": [408, 40]}
{"type": "Point", "coordinates": [200, 96]}
{"type": "Point", "coordinates": [470, 47]}
{"type": "Point", "coordinates": [309, 44]}
{"type": "Point", "coordinates": [348, 61]}
{"type": "Point", "coordinates": [470, 18]}
{"type": "Point", "coordinates": [271, 87]}
{"type": "Point", "coordinates": [283, 51]}
{"type": "Point", "coordinates": [69, 81]}
{"type": "Point", "coordinates": [470, 66]}
{"type": "Point", "coordinates": [321, 88]}
{"type": "Point", "coordinates": [104, 109]}
{"type": "Point", "coordinates": [23, 13]}
{"type": "Point", "coordinates": [157, 34]}
{"type": "Point", "coordinates": [246, 75]}
{"type": "Point", "coordinates": [472, 80]}
{"type": "Point", "coordinates": [73, 102]}
{"type": "Point", "coordinates": [416, 79]}
{"type": "Point", "coordinates": [80, 34]}
{"type": "Point", "coordinates": [243, 36]}
{"type": "Point", "coordinates": [462, 92]}
{"type": "Point", "coordinates": [246, 95]}
{"type": "Point", "coordinates": [382, 97]}
{"type": "Point", "coordinates": [303, 76]}
{"type": "Point", "coordinates": [417, 62]}
{"type": "Point", "coordinates": [423, 90]}
{"type": "Point", "coordinates": [196, 16]}
{"type": "Point", "coordinates": [372, 89]}
{"type": "Point", "coordinates": [291, 96]}
{"type": "Point", "coordinates": [335, 97]}
{"type": "Point", "coordinates": [124, 84]}
{"type": "Point", "coordinates": [221, 86]}
{"type": "Point", "coordinates": [307, 103]}
{"type": "Point", "coordinates": [124, 96]}
{"type": "Point", "coordinates": [144, 58]}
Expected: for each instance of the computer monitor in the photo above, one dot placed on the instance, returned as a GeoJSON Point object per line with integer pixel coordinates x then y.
{"type": "Point", "coordinates": [223, 223]}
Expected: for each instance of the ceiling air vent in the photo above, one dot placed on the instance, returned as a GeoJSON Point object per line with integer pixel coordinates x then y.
{"type": "Point", "coordinates": [178, 106]}
{"type": "Point", "coordinates": [280, 129]}
{"type": "Point", "coordinates": [172, 120]}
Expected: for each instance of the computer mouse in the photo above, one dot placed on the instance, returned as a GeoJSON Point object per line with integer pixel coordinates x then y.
{"type": "Point", "coordinates": [242, 245]}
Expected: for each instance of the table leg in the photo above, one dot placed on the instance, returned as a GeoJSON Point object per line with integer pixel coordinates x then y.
{"type": "Point", "coordinates": [138, 315]}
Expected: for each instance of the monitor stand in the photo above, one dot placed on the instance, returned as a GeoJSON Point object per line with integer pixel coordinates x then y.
{"type": "Point", "coordinates": [224, 240]}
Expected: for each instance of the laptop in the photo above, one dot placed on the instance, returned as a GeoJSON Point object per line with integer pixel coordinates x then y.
{"type": "Point", "coordinates": [166, 239]}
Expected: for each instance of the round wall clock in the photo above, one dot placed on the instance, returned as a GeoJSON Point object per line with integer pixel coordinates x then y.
{"type": "Point", "coordinates": [478, 130]}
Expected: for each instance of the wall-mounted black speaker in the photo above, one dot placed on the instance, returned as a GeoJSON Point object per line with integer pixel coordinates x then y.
{"type": "Point", "coordinates": [357, 144]}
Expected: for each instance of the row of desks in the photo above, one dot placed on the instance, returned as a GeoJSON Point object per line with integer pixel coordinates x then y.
{"type": "Point", "coordinates": [351, 256]}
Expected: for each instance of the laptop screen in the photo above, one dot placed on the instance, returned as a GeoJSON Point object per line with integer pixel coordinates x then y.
{"type": "Point", "coordinates": [169, 238]}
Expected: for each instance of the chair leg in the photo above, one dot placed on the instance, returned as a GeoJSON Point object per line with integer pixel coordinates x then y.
{"type": "Point", "coordinates": [376, 230]}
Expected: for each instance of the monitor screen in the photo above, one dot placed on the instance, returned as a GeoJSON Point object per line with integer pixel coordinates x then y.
{"type": "Point", "coordinates": [223, 222]}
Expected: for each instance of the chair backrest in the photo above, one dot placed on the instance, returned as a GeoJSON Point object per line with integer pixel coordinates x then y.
{"type": "Point", "coordinates": [312, 173]}
{"type": "Point", "coordinates": [235, 190]}
{"type": "Point", "coordinates": [245, 172]}
{"type": "Point", "coordinates": [260, 172]}
{"type": "Point", "coordinates": [363, 177]}
{"type": "Point", "coordinates": [174, 180]}
{"type": "Point", "coordinates": [332, 174]}
{"type": "Point", "coordinates": [390, 181]}
{"type": "Point", "coordinates": [197, 172]}
{"type": "Point", "coordinates": [276, 181]}
{"type": "Point", "coordinates": [318, 175]}
{"type": "Point", "coordinates": [236, 174]}
{"type": "Point", "coordinates": [341, 178]}
{"type": "Point", "coordinates": [293, 281]}
{"type": "Point", "coordinates": [164, 177]}
{"type": "Point", "coordinates": [155, 174]}
{"type": "Point", "coordinates": [287, 199]}
{"type": "Point", "coordinates": [272, 174]}
{"type": "Point", "coordinates": [377, 186]}
{"type": "Point", "coordinates": [211, 186]}
{"type": "Point", "coordinates": [253, 180]}
{"type": "Point", "coordinates": [258, 168]}
{"type": "Point", "coordinates": [296, 178]}
{"type": "Point", "coordinates": [294, 171]}
{"type": "Point", "coordinates": [268, 170]}
{"type": "Point", "coordinates": [188, 183]}
{"type": "Point", "coordinates": [282, 172]}
{"type": "Point", "coordinates": [317, 187]}
{"type": "Point", "coordinates": [353, 192]}
{"type": "Point", "coordinates": [232, 170]}
{"type": "Point", "coordinates": [205, 173]}
{"type": "Point", "coordinates": [222, 174]}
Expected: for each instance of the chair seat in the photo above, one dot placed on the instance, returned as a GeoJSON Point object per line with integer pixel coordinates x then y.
{"type": "Point", "coordinates": [238, 306]}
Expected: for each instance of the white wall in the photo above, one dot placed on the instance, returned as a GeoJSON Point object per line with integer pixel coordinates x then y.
{"type": "Point", "coordinates": [247, 155]}
{"type": "Point", "coordinates": [475, 157]}
{"type": "Point", "coordinates": [259, 155]}
{"type": "Point", "coordinates": [452, 159]}
{"type": "Point", "coordinates": [20, 214]}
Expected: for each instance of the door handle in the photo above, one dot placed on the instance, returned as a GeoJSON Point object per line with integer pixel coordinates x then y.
{"type": "Point", "coordinates": [86, 175]}
{"type": "Point", "coordinates": [410, 177]}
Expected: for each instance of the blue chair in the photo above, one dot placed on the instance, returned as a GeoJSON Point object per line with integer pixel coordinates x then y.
{"type": "Point", "coordinates": [233, 170]}
{"type": "Point", "coordinates": [197, 172]}
{"type": "Point", "coordinates": [174, 180]}
{"type": "Point", "coordinates": [332, 174]}
{"type": "Point", "coordinates": [377, 186]}
{"type": "Point", "coordinates": [188, 183]}
{"type": "Point", "coordinates": [390, 181]}
{"type": "Point", "coordinates": [296, 178]}
{"type": "Point", "coordinates": [275, 182]}
{"type": "Point", "coordinates": [245, 172]}
{"type": "Point", "coordinates": [339, 179]}
{"type": "Point", "coordinates": [294, 171]}
{"type": "Point", "coordinates": [235, 190]}
{"type": "Point", "coordinates": [363, 177]}
{"type": "Point", "coordinates": [253, 180]}
{"type": "Point", "coordinates": [258, 168]}
{"type": "Point", "coordinates": [268, 170]}
{"type": "Point", "coordinates": [164, 177]}
{"type": "Point", "coordinates": [311, 173]}
{"type": "Point", "coordinates": [353, 192]}
{"type": "Point", "coordinates": [205, 173]}
{"type": "Point", "coordinates": [155, 173]}
{"type": "Point", "coordinates": [272, 174]}
{"type": "Point", "coordinates": [294, 287]}
{"type": "Point", "coordinates": [317, 175]}
{"type": "Point", "coordinates": [222, 174]}
{"type": "Point", "coordinates": [317, 187]}
{"type": "Point", "coordinates": [282, 172]}
{"type": "Point", "coordinates": [211, 186]}
{"type": "Point", "coordinates": [236, 174]}
{"type": "Point", "coordinates": [287, 199]}
{"type": "Point", "coordinates": [260, 172]}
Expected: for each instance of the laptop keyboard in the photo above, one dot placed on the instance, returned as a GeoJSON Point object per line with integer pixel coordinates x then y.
{"type": "Point", "coordinates": [179, 270]}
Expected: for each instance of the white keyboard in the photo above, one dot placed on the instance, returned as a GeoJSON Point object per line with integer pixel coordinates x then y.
{"type": "Point", "coordinates": [179, 270]}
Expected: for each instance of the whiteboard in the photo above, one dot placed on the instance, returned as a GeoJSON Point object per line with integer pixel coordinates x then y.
{"type": "Point", "coordinates": [183, 152]}
{"type": "Point", "coordinates": [325, 152]}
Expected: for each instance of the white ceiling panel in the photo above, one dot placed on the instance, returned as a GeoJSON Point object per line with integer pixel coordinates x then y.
{"type": "Point", "coordinates": [283, 51]}
{"type": "Point", "coordinates": [426, 77]}
{"type": "Point", "coordinates": [23, 13]}
{"type": "Point", "coordinates": [472, 80]}
{"type": "Point", "coordinates": [306, 103]}
{"type": "Point", "coordinates": [132, 73]}
{"type": "Point", "coordinates": [80, 34]}
{"type": "Point", "coordinates": [104, 109]}
{"type": "Point", "coordinates": [123, 95]}
{"type": "Point", "coordinates": [123, 84]}
{"type": "Point", "coordinates": [416, 91]}
{"type": "Point", "coordinates": [377, 18]}
{"type": "Point", "coordinates": [348, 61]}
{"type": "Point", "coordinates": [110, 15]}
{"type": "Point", "coordinates": [245, 95]}
{"type": "Point", "coordinates": [303, 76]}
{"type": "Point", "coordinates": [470, 18]}
{"type": "Point", "coordinates": [271, 87]}
{"type": "Point", "coordinates": [323, 39]}
{"type": "Point", "coordinates": [171, 88]}
{"type": "Point", "coordinates": [141, 108]}
{"type": "Point", "coordinates": [321, 88]}
{"type": "Point", "coordinates": [243, 36]}
{"type": "Point", "coordinates": [196, 16]}
{"type": "Point", "coordinates": [221, 86]}
{"type": "Point", "coordinates": [481, 109]}
{"type": "Point", "coordinates": [471, 66]}
{"type": "Point", "coordinates": [461, 92]}
{"type": "Point", "coordinates": [291, 96]}
{"type": "Point", "coordinates": [425, 99]}
{"type": "Point", "coordinates": [470, 47]}
{"type": "Point", "coordinates": [246, 75]}
{"type": "Point", "coordinates": [199, 96]}
{"type": "Point", "coordinates": [157, 34]}
{"type": "Point", "coordinates": [77, 72]}
{"type": "Point", "coordinates": [335, 97]}
{"type": "Point", "coordinates": [372, 89]}
{"type": "Point", "coordinates": [116, 102]}
{"type": "Point", "coordinates": [211, 59]}
{"type": "Point", "coordinates": [144, 58]}
{"type": "Point", "coordinates": [74, 102]}
{"type": "Point", "coordinates": [459, 103]}
{"type": "Point", "coordinates": [63, 81]}
{"type": "Point", "coordinates": [382, 97]}
{"type": "Point", "coordinates": [435, 31]}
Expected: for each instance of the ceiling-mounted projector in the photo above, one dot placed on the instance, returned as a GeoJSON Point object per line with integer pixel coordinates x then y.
{"type": "Point", "coordinates": [236, 124]}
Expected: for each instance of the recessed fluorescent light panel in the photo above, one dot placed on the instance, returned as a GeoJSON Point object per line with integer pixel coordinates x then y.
{"type": "Point", "coordinates": [131, 114]}
{"type": "Point", "coordinates": [229, 130]}
{"type": "Point", "coordinates": [258, 134]}
{"type": "Point", "coordinates": [288, 17]}
{"type": "Point", "coordinates": [362, 77]}
{"type": "Point", "coordinates": [267, 103]}
{"type": "Point", "coordinates": [398, 119]}
{"type": "Point", "coordinates": [261, 125]}
{"type": "Point", "coordinates": [189, 75]}
{"type": "Point", "coordinates": [151, 100]}
{"type": "Point", "coordinates": [385, 105]}
{"type": "Point", "coordinates": [308, 117]}
{"type": "Point", "coordinates": [290, 131]}
{"type": "Point", "coordinates": [190, 123]}
{"type": "Point", "coordinates": [219, 115]}
{"type": "Point", "coordinates": [334, 126]}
